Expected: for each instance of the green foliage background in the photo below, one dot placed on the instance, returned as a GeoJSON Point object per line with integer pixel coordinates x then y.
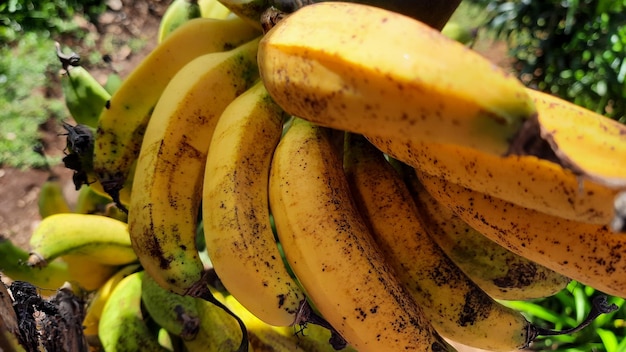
{"type": "Point", "coordinates": [574, 49]}
{"type": "Point", "coordinates": [27, 67]}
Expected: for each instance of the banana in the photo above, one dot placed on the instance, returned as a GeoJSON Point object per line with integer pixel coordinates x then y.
{"type": "Point", "coordinates": [459, 32]}
{"type": "Point", "coordinates": [338, 78]}
{"type": "Point", "coordinates": [524, 180]}
{"type": "Point", "coordinates": [85, 97]}
{"type": "Point", "coordinates": [177, 314]}
{"type": "Point", "coordinates": [90, 201]}
{"type": "Point", "coordinates": [96, 303]}
{"type": "Point", "coordinates": [527, 180]}
{"type": "Point", "coordinates": [122, 125]}
{"type": "Point", "coordinates": [219, 331]}
{"type": "Point", "coordinates": [591, 145]}
{"type": "Point", "coordinates": [213, 9]}
{"type": "Point", "coordinates": [51, 199]}
{"type": "Point", "coordinates": [177, 13]}
{"type": "Point", "coordinates": [114, 81]}
{"type": "Point", "coordinates": [13, 264]}
{"type": "Point", "coordinates": [237, 229]}
{"type": "Point", "coordinates": [167, 185]}
{"type": "Point", "coordinates": [501, 273]}
{"type": "Point", "coordinates": [332, 253]}
{"type": "Point", "coordinates": [588, 253]}
{"type": "Point", "coordinates": [456, 307]}
{"type": "Point", "coordinates": [102, 239]}
{"type": "Point", "coordinates": [122, 326]}
{"type": "Point", "coordinates": [268, 338]}
{"type": "Point", "coordinates": [87, 273]}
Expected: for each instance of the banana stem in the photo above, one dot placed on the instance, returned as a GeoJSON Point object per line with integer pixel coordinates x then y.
{"type": "Point", "coordinates": [306, 315]}
{"type": "Point", "coordinates": [67, 60]}
{"type": "Point", "coordinates": [599, 306]}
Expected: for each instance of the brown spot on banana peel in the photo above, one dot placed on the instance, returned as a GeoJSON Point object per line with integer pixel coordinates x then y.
{"type": "Point", "coordinates": [588, 253]}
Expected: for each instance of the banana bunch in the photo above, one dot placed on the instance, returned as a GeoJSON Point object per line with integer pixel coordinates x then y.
{"type": "Point", "coordinates": [348, 199]}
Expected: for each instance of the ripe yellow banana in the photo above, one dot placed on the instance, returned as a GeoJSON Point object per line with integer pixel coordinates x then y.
{"type": "Point", "coordinates": [177, 13]}
{"type": "Point", "coordinates": [268, 338]}
{"type": "Point", "coordinates": [102, 239]}
{"type": "Point", "coordinates": [122, 326]}
{"type": "Point", "coordinates": [588, 253]}
{"type": "Point", "coordinates": [87, 273]}
{"type": "Point", "coordinates": [363, 76]}
{"type": "Point", "coordinates": [213, 9]}
{"type": "Point", "coordinates": [498, 271]}
{"type": "Point", "coordinates": [177, 314]}
{"type": "Point", "coordinates": [219, 331]}
{"type": "Point", "coordinates": [524, 180]}
{"type": "Point", "coordinates": [51, 199]}
{"type": "Point", "coordinates": [456, 307]}
{"type": "Point", "coordinates": [331, 251]}
{"type": "Point", "coordinates": [167, 187]}
{"type": "Point", "coordinates": [96, 303]}
{"type": "Point", "coordinates": [122, 125]}
{"type": "Point", "coordinates": [583, 141]}
{"type": "Point", "coordinates": [13, 261]}
{"type": "Point", "coordinates": [529, 181]}
{"type": "Point", "coordinates": [237, 229]}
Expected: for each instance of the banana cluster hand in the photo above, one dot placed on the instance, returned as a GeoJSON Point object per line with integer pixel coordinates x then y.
{"type": "Point", "coordinates": [366, 184]}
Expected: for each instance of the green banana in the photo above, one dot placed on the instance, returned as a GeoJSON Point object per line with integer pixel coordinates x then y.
{"type": "Point", "coordinates": [177, 13]}
{"type": "Point", "coordinates": [51, 199]}
{"type": "Point", "coordinates": [122, 327]}
{"type": "Point", "coordinates": [219, 331]}
{"type": "Point", "coordinates": [13, 263]}
{"type": "Point", "coordinates": [114, 81]}
{"type": "Point", "coordinates": [84, 96]}
{"type": "Point", "coordinates": [177, 314]}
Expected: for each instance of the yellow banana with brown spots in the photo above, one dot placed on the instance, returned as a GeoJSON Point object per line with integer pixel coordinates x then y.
{"type": "Point", "coordinates": [456, 307]}
{"type": "Point", "coordinates": [501, 273]}
{"type": "Point", "coordinates": [332, 253]}
{"type": "Point", "coordinates": [122, 124]}
{"type": "Point", "coordinates": [167, 187]}
{"type": "Point", "coordinates": [387, 74]}
{"type": "Point", "coordinates": [235, 211]}
{"type": "Point", "coordinates": [589, 253]}
{"type": "Point", "coordinates": [594, 143]}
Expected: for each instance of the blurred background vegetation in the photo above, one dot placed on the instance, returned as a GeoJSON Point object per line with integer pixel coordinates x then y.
{"type": "Point", "coordinates": [28, 65]}
{"type": "Point", "coordinates": [574, 49]}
